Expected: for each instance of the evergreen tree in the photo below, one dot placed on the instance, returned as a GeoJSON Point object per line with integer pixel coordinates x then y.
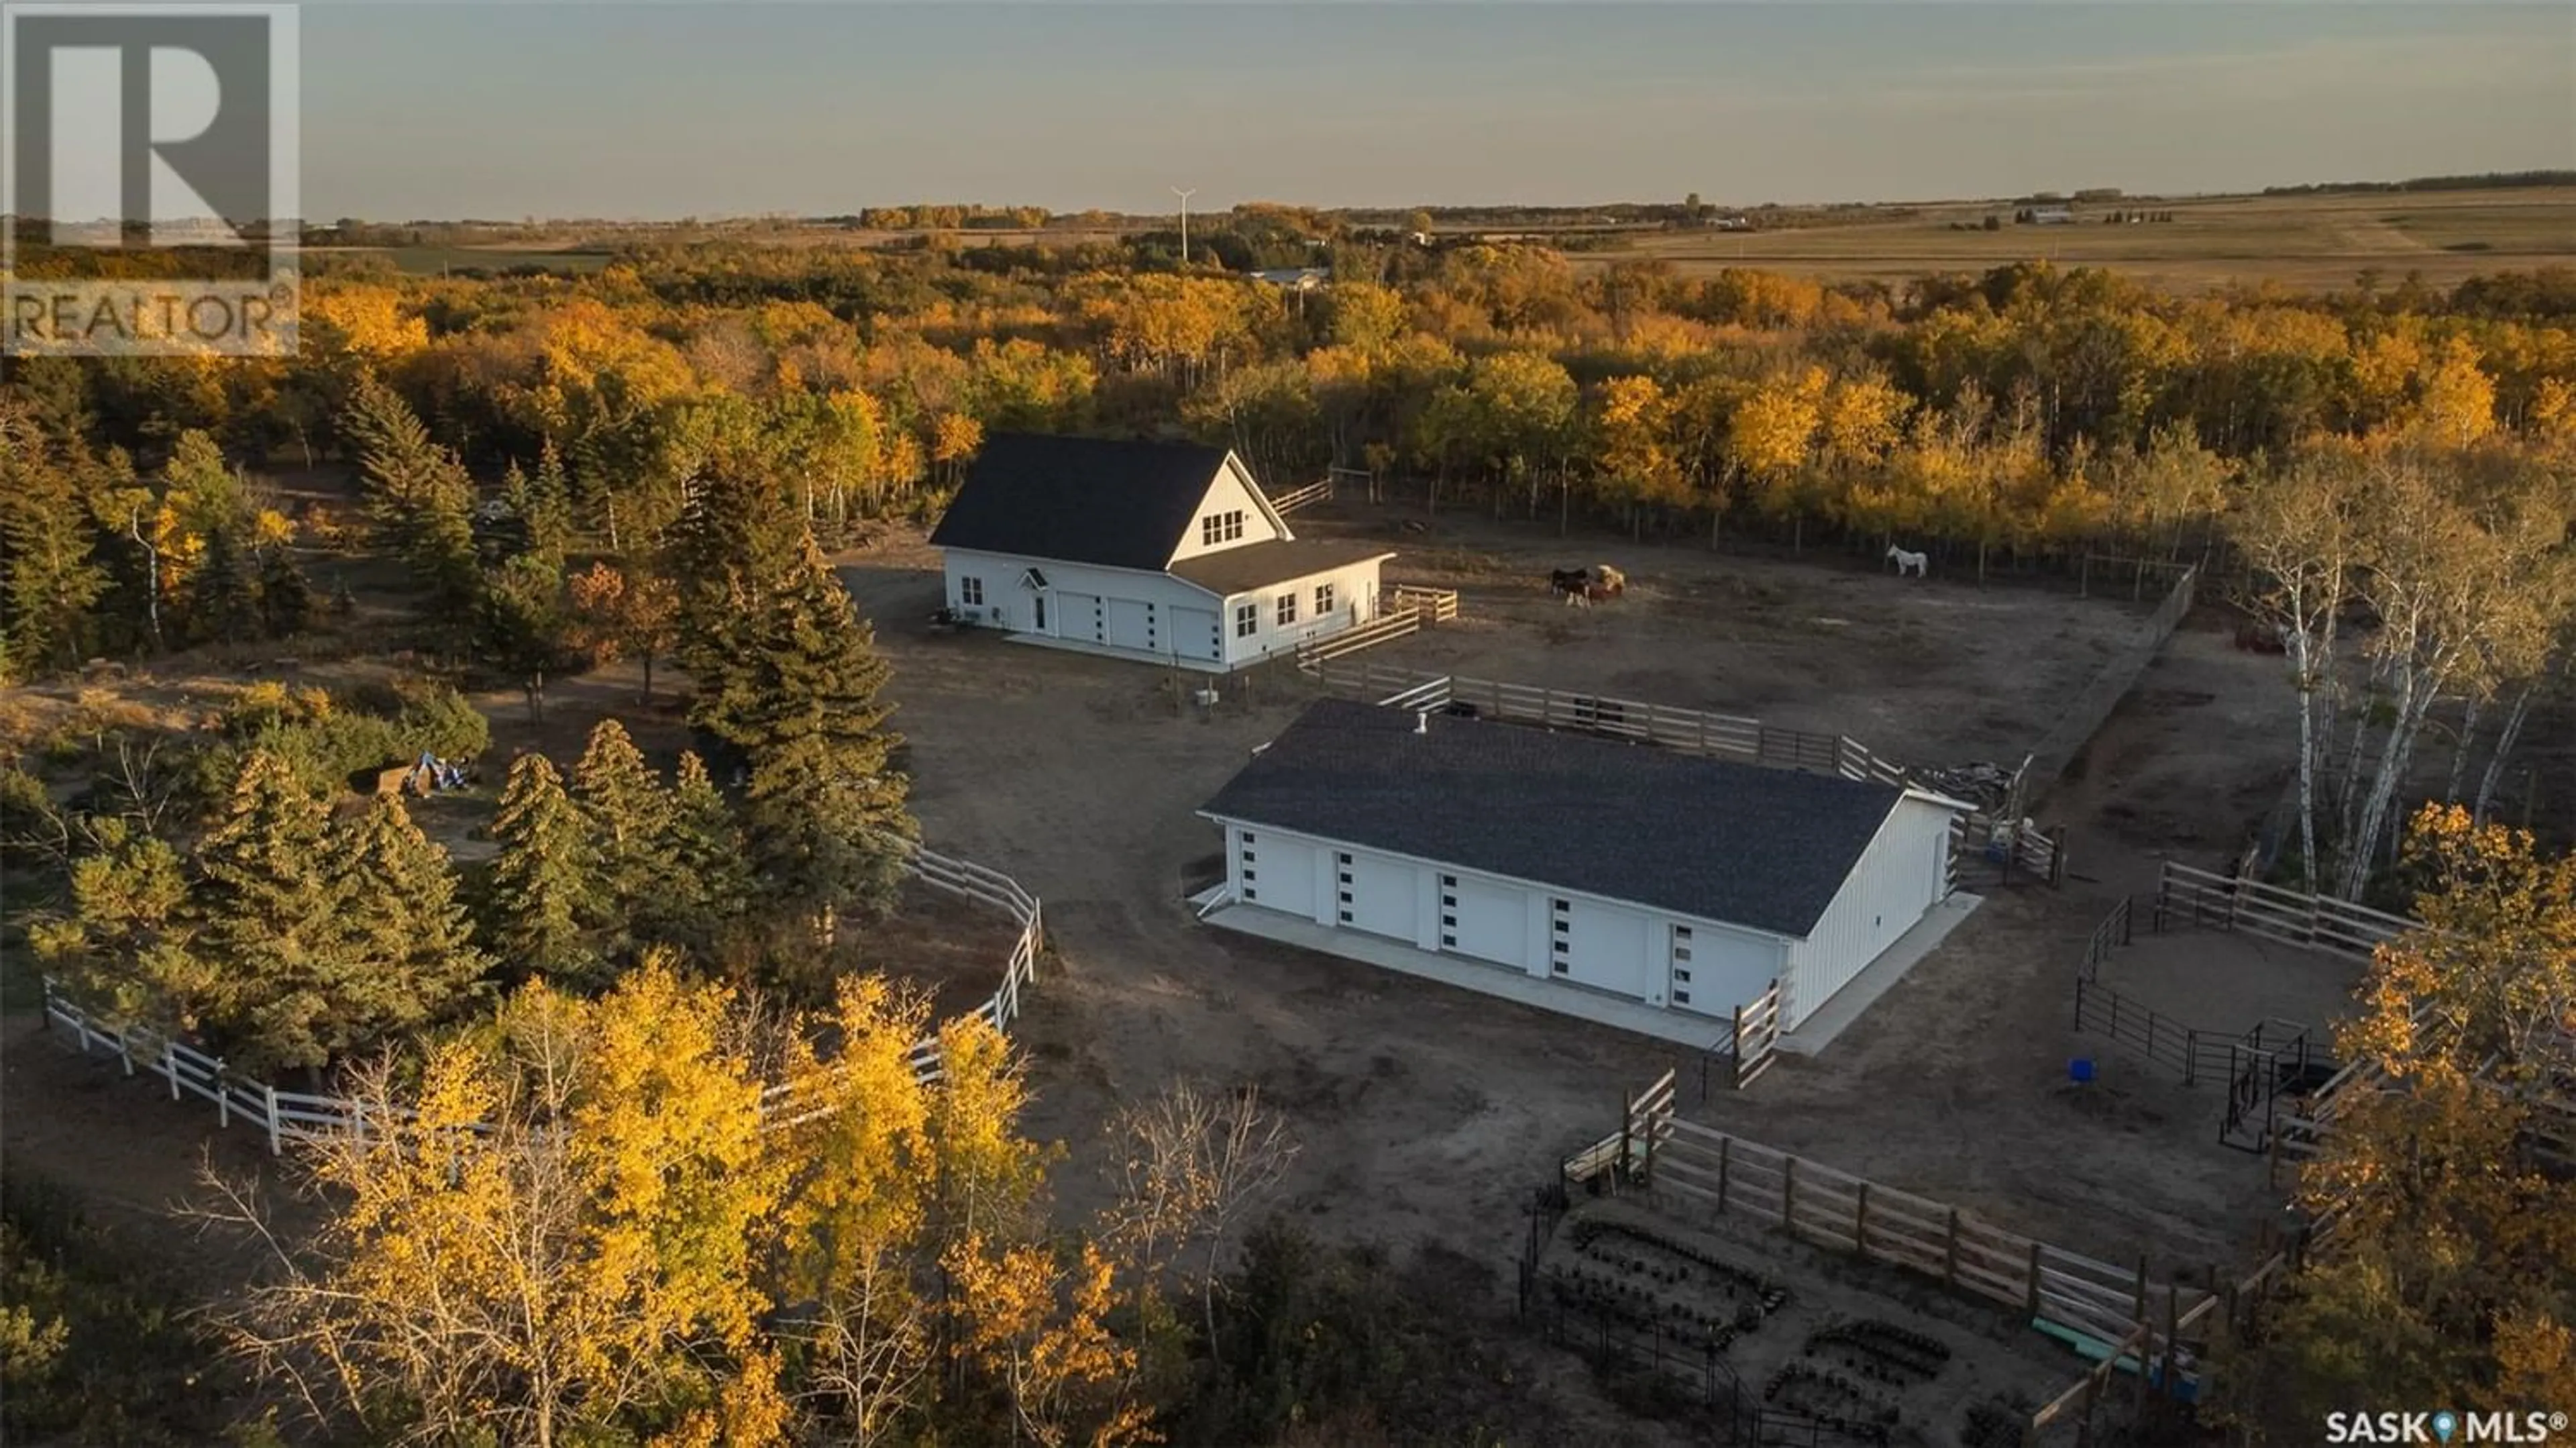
{"type": "Point", "coordinates": [271, 898]}
{"type": "Point", "coordinates": [128, 940]}
{"type": "Point", "coordinates": [736, 544]}
{"type": "Point", "coordinates": [630, 814]}
{"type": "Point", "coordinates": [521, 624]}
{"type": "Point", "coordinates": [545, 884]}
{"type": "Point", "coordinates": [827, 816]}
{"type": "Point", "coordinates": [49, 580]}
{"type": "Point", "coordinates": [418, 495]}
{"type": "Point", "coordinates": [223, 594]}
{"type": "Point", "coordinates": [285, 596]}
{"type": "Point", "coordinates": [410, 932]}
{"type": "Point", "coordinates": [710, 879]}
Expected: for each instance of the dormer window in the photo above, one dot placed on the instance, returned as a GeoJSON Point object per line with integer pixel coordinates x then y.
{"type": "Point", "coordinates": [1218, 528]}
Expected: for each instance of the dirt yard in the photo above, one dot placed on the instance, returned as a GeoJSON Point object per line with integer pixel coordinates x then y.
{"type": "Point", "coordinates": [1801, 1330]}
{"type": "Point", "coordinates": [1933, 671]}
{"type": "Point", "coordinates": [1423, 1110]}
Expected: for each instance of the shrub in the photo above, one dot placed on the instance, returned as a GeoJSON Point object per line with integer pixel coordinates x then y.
{"type": "Point", "coordinates": [334, 743]}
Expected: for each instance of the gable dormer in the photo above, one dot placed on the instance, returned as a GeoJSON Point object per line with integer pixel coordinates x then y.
{"type": "Point", "coordinates": [1231, 514]}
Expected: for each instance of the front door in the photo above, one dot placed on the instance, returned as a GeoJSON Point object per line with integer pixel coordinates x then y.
{"type": "Point", "coordinates": [1037, 603]}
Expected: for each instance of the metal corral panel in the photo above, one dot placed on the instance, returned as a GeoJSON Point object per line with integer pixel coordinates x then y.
{"type": "Point", "coordinates": [1900, 876]}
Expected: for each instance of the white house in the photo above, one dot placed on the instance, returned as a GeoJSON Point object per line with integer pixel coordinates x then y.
{"type": "Point", "coordinates": [1144, 550]}
{"type": "Point", "coordinates": [1667, 879]}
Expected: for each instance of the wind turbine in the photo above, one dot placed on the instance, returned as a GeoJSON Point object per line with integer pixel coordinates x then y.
{"type": "Point", "coordinates": [1185, 220]}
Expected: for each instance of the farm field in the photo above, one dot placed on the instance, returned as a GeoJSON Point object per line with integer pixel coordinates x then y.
{"type": "Point", "coordinates": [1429, 1112]}
{"type": "Point", "coordinates": [2303, 242]}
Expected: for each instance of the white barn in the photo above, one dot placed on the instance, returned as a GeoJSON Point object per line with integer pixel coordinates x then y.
{"type": "Point", "coordinates": [1143, 550]}
{"type": "Point", "coordinates": [1665, 879]}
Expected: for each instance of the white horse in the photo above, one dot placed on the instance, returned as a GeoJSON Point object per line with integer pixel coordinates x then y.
{"type": "Point", "coordinates": [1905, 562]}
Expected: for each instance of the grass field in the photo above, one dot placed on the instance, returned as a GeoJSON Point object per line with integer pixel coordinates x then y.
{"type": "Point", "coordinates": [2307, 242]}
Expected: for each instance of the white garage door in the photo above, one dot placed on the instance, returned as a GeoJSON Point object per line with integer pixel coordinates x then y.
{"type": "Point", "coordinates": [1376, 896]}
{"type": "Point", "coordinates": [1279, 874]}
{"type": "Point", "coordinates": [1601, 946]}
{"type": "Point", "coordinates": [1489, 922]}
{"type": "Point", "coordinates": [1194, 634]}
{"type": "Point", "coordinates": [1715, 970]}
{"type": "Point", "coordinates": [1081, 617]}
{"type": "Point", "coordinates": [1131, 626]}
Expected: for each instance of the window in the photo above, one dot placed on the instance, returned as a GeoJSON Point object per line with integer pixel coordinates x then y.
{"type": "Point", "coordinates": [1247, 873]}
{"type": "Point", "coordinates": [970, 592]}
{"type": "Point", "coordinates": [1218, 528]}
{"type": "Point", "coordinates": [1681, 997]}
{"type": "Point", "coordinates": [1287, 609]}
{"type": "Point", "coordinates": [1247, 620]}
{"type": "Point", "coordinates": [1251, 894]}
{"type": "Point", "coordinates": [1323, 599]}
{"type": "Point", "coordinates": [1681, 975]}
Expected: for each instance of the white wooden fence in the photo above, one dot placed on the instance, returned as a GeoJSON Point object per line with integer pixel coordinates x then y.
{"type": "Point", "coordinates": [289, 1116]}
{"type": "Point", "coordinates": [1405, 611]}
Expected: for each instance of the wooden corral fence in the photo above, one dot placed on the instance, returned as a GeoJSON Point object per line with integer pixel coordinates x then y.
{"type": "Point", "coordinates": [1692, 1166]}
{"type": "Point", "coordinates": [2012, 842]}
{"type": "Point", "coordinates": [2092, 706]}
{"type": "Point", "coordinates": [1437, 605]}
{"type": "Point", "coordinates": [288, 1116]}
{"type": "Point", "coordinates": [2206, 899]}
{"type": "Point", "coordinates": [1756, 1036]}
{"type": "Point", "coordinates": [1295, 498]}
{"type": "Point", "coordinates": [1406, 610]}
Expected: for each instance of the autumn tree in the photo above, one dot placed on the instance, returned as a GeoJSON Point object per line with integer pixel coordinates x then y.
{"type": "Point", "coordinates": [2449, 1256]}
{"type": "Point", "coordinates": [550, 1238]}
{"type": "Point", "coordinates": [618, 613]}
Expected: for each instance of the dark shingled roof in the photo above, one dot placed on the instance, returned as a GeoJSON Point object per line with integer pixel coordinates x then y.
{"type": "Point", "coordinates": [1080, 499]}
{"type": "Point", "coordinates": [1258, 565]}
{"type": "Point", "coordinates": [1765, 848]}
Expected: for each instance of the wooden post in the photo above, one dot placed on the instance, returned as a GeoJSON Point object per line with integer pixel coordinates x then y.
{"type": "Point", "coordinates": [1860, 1222]}
{"type": "Point", "coordinates": [1725, 1153]}
{"type": "Point", "coordinates": [223, 1095]}
{"type": "Point", "coordinates": [1625, 1141]}
{"type": "Point", "coordinates": [2057, 858]}
{"type": "Point", "coordinates": [1950, 1253]}
{"type": "Point", "coordinates": [2032, 1292]}
{"type": "Point", "coordinates": [269, 1095]}
{"type": "Point", "coordinates": [170, 1066]}
{"type": "Point", "coordinates": [2142, 1299]}
{"type": "Point", "coordinates": [1789, 1195]}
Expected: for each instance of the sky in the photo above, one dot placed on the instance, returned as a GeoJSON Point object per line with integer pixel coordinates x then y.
{"type": "Point", "coordinates": [649, 111]}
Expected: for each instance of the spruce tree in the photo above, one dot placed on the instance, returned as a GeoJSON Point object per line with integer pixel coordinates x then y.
{"type": "Point", "coordinates": [224, 602]}
{"type": "Point", "coordinates": [710, 879]}
{"type": "Point", "coordinates": [411, 934]}
{"type": "Point", "coordinates": [271, 899]}
{"type": "Point", "coordinates": [286, 602]}
{"type": "Point", "coordinates": [545, 884]}
{"type": "Point", "coordinates": [629, 813]}
{"type": "Point", "coordinates": [827, 817]}
{"type": "Point", "coordinates": [736, 545]}
{"type": "Point", "coordinates": [418, 494]}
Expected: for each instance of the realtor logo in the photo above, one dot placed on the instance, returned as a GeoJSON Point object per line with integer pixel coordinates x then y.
{"type": "Point", "coordinates": [149, 180]}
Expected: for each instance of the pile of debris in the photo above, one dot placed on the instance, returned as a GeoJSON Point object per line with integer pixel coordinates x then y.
{"type": "Point", "coordinates": [1987, 786]}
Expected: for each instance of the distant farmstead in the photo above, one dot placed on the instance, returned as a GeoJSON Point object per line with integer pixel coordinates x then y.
{"type": "Point", "coordinates": [1160, 551]}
